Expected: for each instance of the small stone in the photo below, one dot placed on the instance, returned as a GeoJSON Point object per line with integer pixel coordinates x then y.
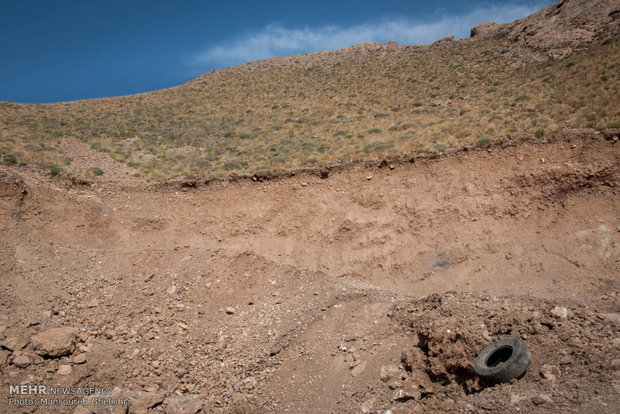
{"type": "Point", "coordinates": [79, 359]}
{"type": "Point", "coordinates": [447, 404]}
{"type": "Point", "coordinates": [516, 398]}
{"type": "Point", "coordinates": [402, 395]}
{"type": "Point", "coordinates": [230, 310]}
{"type": "Point", "coordinates": [190, 404]}
{"type": "Point", "coordinates": [55, 342]}
{"type": "Point", "coordinates": [140, 401]}
{"type": "Point", "coordinates": [13, 343]}
{"type": "Point", "coordinates": [64, 370]}
{"type": "Point", "coordinates": [358, 369]}
{"type": "Point", "coordinates": [615, 364]}
{"type": "Point", "coordinates": [93, 303]}
{"type": "Point", "coordinates": [368, 406]}
{"type": "Point", "coordinates": [508, 256]}
{"type": "Point", "coordinates": [21, 361]}
{"type": "Point", "coordinates": [388, 372]}
{"type": "Point", "coordinates": [550, 372]}
{"type": "Point", "coordinates": [249, 383]}
{"type": "Point", "coordinates": [83, 348]}
{"type": "Point", "coordinates": [541, 399]}
{"type": "Point", "coordinates": [369, 177]}
{"type": "Point", "coordinates": [560, 312]}
{"type": "Point", "coordinates": [171, 290]}
{"type": "Point", "coordinates": [487, 336]}
{"type": "Point", "coordinates": [4, 356]}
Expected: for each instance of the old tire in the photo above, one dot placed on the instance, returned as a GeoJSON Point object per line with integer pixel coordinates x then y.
{"type": "Point", "coordinates": [503, 360]}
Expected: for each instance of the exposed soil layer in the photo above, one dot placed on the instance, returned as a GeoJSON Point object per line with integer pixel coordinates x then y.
{"type": "Point", "coordinates": [368, 291]}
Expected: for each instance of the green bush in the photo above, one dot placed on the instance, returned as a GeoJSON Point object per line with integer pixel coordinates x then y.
{"type": "Point", "coordinates": [55, 170]}
{"type": "Point", "coordinates": [484, 142]}
{"type": "Point", "coordinates": [539, 133]}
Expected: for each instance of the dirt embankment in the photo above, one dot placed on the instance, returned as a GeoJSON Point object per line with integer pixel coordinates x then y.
{"type": "Point", "coordinates": [368, 291]}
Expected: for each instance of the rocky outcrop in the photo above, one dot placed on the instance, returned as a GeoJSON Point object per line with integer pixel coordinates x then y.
{"type": "Point", "coordinates": [485, 31]}
{"type": "Point", "coordinates": [557, 30]}
{"type": "Point", "coordinates": [446, 39]}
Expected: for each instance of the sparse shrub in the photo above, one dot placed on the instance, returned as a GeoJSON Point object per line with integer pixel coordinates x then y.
{"type": "Point", "coordinates": [408, 135]}
{"type": "Point", "coordinates": [234, 165]}
{"type": "Point", "coordinates": [522, 98]}
{"type": "Point", "coordinates": [307, 146]}
{"type": "Point", "coordinates": [484, 142]}
{"type": "Point", "coordinates": [66, 160]}
{"type": "Point", "coordinates": [613, 124]}
{"type": "Point", "coordinates": [245, 135]}
{"type": "Point", "coordinates": [374, 131]}
{"type": "Point", "coordinates": [133, 164]}
{"type": "Point", "coordinates": [94, 171]}
{"type": "Point", "coordinates": [54, 169]}
{"type": "Point", "coordinates": [539, 133]}
{"type": "Point", "coordinates": [378, 145]}
{"type": "Point", "coordinates": [9, 159]}
{"type": "Point", "coordinates": [440, 147]}
{"type": "Point", "coordinates": [277, 160]}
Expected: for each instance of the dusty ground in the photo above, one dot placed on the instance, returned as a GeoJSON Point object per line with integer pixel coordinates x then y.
{"type": "Point", "coordinates": [308, 295]}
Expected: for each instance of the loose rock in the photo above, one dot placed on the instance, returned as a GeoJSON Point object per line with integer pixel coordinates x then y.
{"type": "Point", "coordinates": [55, 342]}
{"type": "Point", "coordinates": [190, 404]}
{"type": "Point", "coordinates": [13, 343]}
{"type": "Point", "coordinates": [64, 370]}
{"type": "Point", "coordinates": [22, 361]}
{"type": "Point", "coordinates": [560, 312]}
{"type": "Point", "coordinates": [388, 372]}
{"type": "Point", "coordinates": [550, 372]}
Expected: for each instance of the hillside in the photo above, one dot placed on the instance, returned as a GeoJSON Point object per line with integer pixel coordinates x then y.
{"type": "Point", "coordinates": [507, 83]}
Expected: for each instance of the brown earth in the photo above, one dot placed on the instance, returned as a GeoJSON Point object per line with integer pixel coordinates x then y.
{"type": "Point", "coordinates": [370, 291]}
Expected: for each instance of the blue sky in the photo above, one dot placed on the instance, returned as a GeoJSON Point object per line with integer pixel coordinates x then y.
{"type": "Point", "coordinates": [66, 50]}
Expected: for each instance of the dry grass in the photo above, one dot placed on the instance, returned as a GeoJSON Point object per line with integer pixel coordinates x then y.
{"type": "Point", "coordinates": [270, 116]}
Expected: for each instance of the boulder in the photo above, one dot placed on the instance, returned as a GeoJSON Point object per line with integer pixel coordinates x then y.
{"type": "Point", "coordinates": [55, 342]}
{"type": "Point", "coordinates": [485, 31]}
